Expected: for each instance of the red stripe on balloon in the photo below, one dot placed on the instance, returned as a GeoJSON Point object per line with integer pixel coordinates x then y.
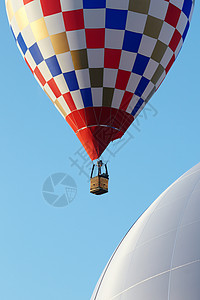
{"type": "Point", "coordinates": [173, 14]}
{"type": "Point", "coordinates": [73, 19]}
{"type": "Point", "coordinates": [126, 100]}
{"type": "Point", "coordinates": [39, 76]}
{"type": "Point", "coordinates": [50, 7]}
{"type": "Point", "coordinates": [175, 40]}
{"type": "Point", "coordinates": [170, 64]}
{"type": "Point", "coordinates": [112, 58]}
{"type": "Point", "coordinates": [69, 101]}
{"type": "Point", "coordinates": [52, 84]}
{"type": "Point", "coordinates": [95, 38]}
{"type": "Point", "coordinates": [122, 79]}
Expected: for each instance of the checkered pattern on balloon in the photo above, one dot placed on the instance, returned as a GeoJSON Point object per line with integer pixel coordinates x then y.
{"type": "Point", "coordinates": [99, 61]}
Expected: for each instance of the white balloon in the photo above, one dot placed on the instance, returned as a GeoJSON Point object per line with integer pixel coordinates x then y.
{"type": "Point", "coordinates": [159, 258]}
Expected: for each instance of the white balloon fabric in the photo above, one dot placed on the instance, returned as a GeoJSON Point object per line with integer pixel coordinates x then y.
{"type": "Point", "coordinates": [159, 258]}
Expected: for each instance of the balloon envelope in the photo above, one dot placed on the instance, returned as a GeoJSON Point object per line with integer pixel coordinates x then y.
{"type": "Point", "coordinates": [159, 258]}
{"type": "Point", "coordinates": [99, 61]}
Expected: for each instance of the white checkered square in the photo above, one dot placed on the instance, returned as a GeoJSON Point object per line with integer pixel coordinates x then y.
{"type": "Point", "coordinates": [97, 96]}
{"type": "Point", "coordinates": [65, 62]}
{"type": "Point", "coordinates": [76, 96]}
{"type": "Point", "coordinates": [61, 83]}
{"type": "Point", "coordinates": [136, 22]}
{"type": "Point", "coordinates": [132, 104]}
{"type": "Point", "coordinates": [65, 108]}
{"type": "Point", "coordinates": [127, 60]}
{"type": "Point", "coordinates": [133, 82]}
{"type": "Point", "coordinates": [71, 5]}
{"type": "Point", "coordinates": [109, 77]}
{"type": "Point", "coordinates": [150, 69]}
{"type": "Point", "coordinates": [94, 18]}
{"type": "Point", "coordinates": [117, 4]}
{"type": "Point", "coordinates": [117, 98]}
{"type": "Point", "coordinates": [17, 5]}
{"type": "Point", "coordinates": [76, 39]}
{"type": "Point", "coordinates": [166, 33]}
{"type": "Point", "coordinates": [95, 58]}
{"type": "Point", "coordinates": [182, 22]}
{"type": "Point", "coordinates": [33, 11]}
{"type": "Point", "coordinates": [147, 45]}
{"type": "Point", "coordinates": [83, 78]}
{"type": "Point", "coordinates": [114, 38]}
{"type": "Point", "coordinates": [55, 24]}
{"type": "Point", "coordinates": [46, 48]}
{"type": "Point", "coordinates": [15, 27]}
{"type": "Point", "coordinates": [177, 3]}
{"type": "Point", "coordinates": [158, 9]}
{"type": "Point", "coordinates": [28, 36]}
{"type": "Point", "coordinates": [45, 71]}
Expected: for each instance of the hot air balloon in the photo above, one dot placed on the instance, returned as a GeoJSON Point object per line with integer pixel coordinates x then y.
{"type": "Point", "coordinates": [99, 61]}
{"type": "Point", "coordinates": [159, 258]}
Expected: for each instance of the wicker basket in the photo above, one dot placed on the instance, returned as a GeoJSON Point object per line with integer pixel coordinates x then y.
{"type": "Point", "coordinates": [99, 185]}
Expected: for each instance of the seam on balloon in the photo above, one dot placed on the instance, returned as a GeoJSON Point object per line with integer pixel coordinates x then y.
{"type": "Point", "coordinates": [97, 126]}
{"type": "Point", "coordinates": [152, 277]}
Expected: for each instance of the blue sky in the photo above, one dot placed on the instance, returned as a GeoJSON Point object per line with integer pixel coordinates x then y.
{"type": "Point", "coordinates": [59, 253]}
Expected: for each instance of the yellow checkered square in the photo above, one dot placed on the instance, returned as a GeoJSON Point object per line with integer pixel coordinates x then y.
{"type": "Point", "coordinates": [60, 43]}
{"type": "Point", "coordinates": [39, 29]}
{"type": "Point", "coordinates": [21, 18]}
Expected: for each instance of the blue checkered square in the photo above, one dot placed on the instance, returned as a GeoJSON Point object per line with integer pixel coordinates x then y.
{"type": "Point", "coordinates": [94, 4]}
{"type": "Point", "coordinates": [187, 7]}
{"type": "Point", "coordinates": [53, 66]}
{"type": "Point", "coordinates": [131, 41]}
{"type": "Point", "coordinates": [36, 54]}
{"type": "Point", "coordinates": [116, 18]}
{"type": "Point", "coordinates": [142, 86]}
{"type": "Point", "coordinates": [21, 43]}
{"type": "Point", "coordinates": [140, 64]}
{"type": "Point", "coordinates": [186, 30]}
{"type": "Point", "coordinates": [71, 80]}
{"type": "Point", "coordinates": [137, 107]}
{"type": "Point", "coordinates": [87, 97]}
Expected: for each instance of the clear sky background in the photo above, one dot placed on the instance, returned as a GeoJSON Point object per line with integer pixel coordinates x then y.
{"type": "Point", "coordinates": [59, 253]}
